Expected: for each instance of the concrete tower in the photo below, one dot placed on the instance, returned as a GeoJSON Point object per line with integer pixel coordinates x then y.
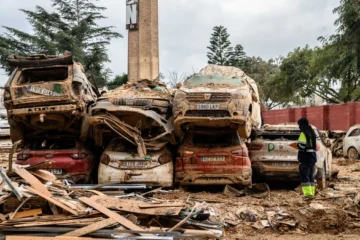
{"type": "Point", "coordinates": [142, 21]}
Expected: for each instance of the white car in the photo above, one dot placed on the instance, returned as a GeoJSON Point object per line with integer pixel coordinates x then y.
{"type": "Point", "coordinates": [4, 124]}
{"type": "Point", "coordinates": [273, 154]}
{"type": "Point", "coordinates": [121, 163]}
{"type": "Point", "coordinates": [352, 143]}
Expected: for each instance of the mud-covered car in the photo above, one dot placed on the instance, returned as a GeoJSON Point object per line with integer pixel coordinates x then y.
{"type": "Point", "coordinates": [139, 113]}
{"type": "Point", "coordinates": [70, 159]}
{"type": "Point", "coordinates": [351, 146]}
{"type": "Point", "coordinates": [274, 157]}
{"type": "Point", "coordinates": [4, 124]}
{"type": "Point", "coordinates": [213, 157]}
{"type": "Point", "coordinates": [217, 96]}
{"type": "Point", "coordinates": [120, 163]}
{"type": "Point", "coordinates": [45, 93]}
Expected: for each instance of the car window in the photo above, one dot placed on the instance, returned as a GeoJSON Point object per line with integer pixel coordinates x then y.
{"type": "Point", "coordinates": [354, 133]}
{"type": "Point", "coordinates": [212, 139]}
{"type": "Point", "coordinates": [55, 143]}
{"type": "Point", "coordinates": [118, 145]}
{"type": "Point", "coordinates": [43, 75]}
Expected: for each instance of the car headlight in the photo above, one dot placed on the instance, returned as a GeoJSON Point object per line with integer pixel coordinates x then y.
{"type": "Point", "coordinates": [241, 94]}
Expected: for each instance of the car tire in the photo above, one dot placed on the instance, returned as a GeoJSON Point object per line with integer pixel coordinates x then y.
{"type": "Point", "coordinates": [353, 154]}
{"type": "Point", "coordinates": [321, 181]}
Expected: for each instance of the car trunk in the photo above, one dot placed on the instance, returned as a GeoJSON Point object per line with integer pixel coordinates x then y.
{"type": "Point", "coordinates": [124, 155]}
{"type": "Point", "coordinates": [51, 149]}
{"type": "Point", "coordinates": [45, 84]}
{"type": "Point", "coordinates": [274, 149]}
{"type": "Point", "coordinates": [214, 153]}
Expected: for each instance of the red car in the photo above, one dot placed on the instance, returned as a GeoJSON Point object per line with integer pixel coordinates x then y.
{"type": "Point", "coordinates": [70, 159]}
{"type": "Point", "coordinates": [213, 157]}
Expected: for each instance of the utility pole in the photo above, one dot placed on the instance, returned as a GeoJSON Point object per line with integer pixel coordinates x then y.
{"type": "Point", "coordinates": [142, 22]}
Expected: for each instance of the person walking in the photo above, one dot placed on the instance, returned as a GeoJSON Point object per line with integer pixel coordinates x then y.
{"type": "Point", "coordinates": [307, 158]}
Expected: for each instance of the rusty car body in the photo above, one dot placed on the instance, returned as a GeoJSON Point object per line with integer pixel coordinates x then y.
{"type": "Point", "coordinates": [45, 93]}
{"type": "Point", "coordinates": [351, 147]}
{"type": "Point", "coordinates": [120, 163]}
{"type": "Point", "coordinates": [273, 156]}
{"type": "Point", "coordinates": [139, 113]}
{"type": "Point", "coordinates": [218, 96]}
{"type": "Point", "coordinates": [213, 157]}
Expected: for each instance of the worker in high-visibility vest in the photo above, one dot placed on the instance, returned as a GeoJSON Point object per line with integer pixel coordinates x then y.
{"type": "Point", "coordinates": [307, 158]}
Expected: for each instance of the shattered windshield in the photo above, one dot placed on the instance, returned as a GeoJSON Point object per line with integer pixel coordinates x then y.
{"type": "Point", "coordinates": [203, 80]}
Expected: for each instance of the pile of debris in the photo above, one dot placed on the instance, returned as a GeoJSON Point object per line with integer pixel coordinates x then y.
{"type": "Point", "coordinates": [336, 142]}
{"type": "Point", "coordinates": [35, 203]}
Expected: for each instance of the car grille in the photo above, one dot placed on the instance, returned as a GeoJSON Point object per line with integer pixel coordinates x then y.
{"type": "Point", "coordinates": [207, 113]}
{"type": "Point", "coordinates": [130, 102]}
{"type": "Point", "coordinates": [215, 97]}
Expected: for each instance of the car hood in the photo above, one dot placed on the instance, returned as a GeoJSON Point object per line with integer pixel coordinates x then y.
{"type": "Point", "coordinates": [215, 88]}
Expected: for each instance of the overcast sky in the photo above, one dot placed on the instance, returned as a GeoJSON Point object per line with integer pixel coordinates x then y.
{"type": "Point", "coordinates": [265, 28]}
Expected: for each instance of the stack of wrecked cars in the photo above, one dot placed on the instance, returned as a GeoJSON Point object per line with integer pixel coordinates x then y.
{"type": "Point", "coordinates": [214, 111]}
{"type": "Point", "coordinates": [133, 123]}
{"type": "Point", "coordinates": [47, 99]}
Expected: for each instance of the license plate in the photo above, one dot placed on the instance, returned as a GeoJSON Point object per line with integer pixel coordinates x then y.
{"type": "Point", "coordinates": [213, 159]}
{"type": "Point", "coordinates": [207, 106]}
{"type": "Point", "coordinates": [40, 91]}
{"type": "Point", "coordinates": [134, 164]}
{"type": "Point", "coordinates": [283, 164]}
{"type": "Point", "coordinates": [55, 171]}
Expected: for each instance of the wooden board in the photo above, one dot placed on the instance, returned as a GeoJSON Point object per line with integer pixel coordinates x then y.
{"type": "Point", "coordinates": [44, 175]}
{"type": "Point", "coordinates": [28, 213]}
{"type": "Point", "coordinates": [84, 221]}
{"type": "Point", "coordinates": [161, 205]}
{"type": "Point", "coordinates": [51, 238]}
{"type": "Point", "coordinates": [133, 206]}
{"type": "Point", "coordinates": [33, 181]}
{"type": "Point", "coordinates": [91, 228]}
{"type": "Point", "coordinates": [120, 219]}
{"type": "Point", "coordinates": [52, 200]}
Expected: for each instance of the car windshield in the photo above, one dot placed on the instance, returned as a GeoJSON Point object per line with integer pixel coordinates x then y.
{"type": "Point", "coordinates": [203, 80]}
{"type": "Point", "coordinates": [118, 145]}
{"type": "Point", "coordinates": [36, 75]}
{"type": "Point", "coordinates": [212, 140]}
{"type": "Point", "coordinates": [56, 143]}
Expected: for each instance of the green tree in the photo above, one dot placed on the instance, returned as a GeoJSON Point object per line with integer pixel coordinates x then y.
{"type": "Point", "coordinates": [220, 48]}
{"type": "Point", "coordinates": [71, 27]}
{"type": "Point", "coordinates": [118, 81]}
{"type": "Point", "coordinates": [238, 57]}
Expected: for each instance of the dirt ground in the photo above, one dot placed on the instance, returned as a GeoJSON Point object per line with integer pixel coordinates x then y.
{"type": "Point", "coordinates": [278, 214]}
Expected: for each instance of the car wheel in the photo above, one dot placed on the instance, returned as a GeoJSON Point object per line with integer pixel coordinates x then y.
{"type": "Point", "coordinates": [353, 154]}
{"type": "Point", "coordinates": [322, 178]}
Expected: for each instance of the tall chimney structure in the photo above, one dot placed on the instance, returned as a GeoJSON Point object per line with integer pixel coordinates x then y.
{"type": "Point", "coordinates": [142, 22]}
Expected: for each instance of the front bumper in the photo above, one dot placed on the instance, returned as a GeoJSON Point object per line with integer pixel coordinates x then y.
{"type": "Point", "coordinates": [68, 108]}
{"type": "Point", "coordinates": [159, 176]}
{"type": "Point", "coordinates": [214, 179]}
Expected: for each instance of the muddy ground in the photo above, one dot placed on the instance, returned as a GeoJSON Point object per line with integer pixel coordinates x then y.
{"type": "Point", "coordinates": [280, 214]}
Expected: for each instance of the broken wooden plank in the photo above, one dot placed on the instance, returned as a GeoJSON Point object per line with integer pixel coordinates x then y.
{"type": "Point", "coordinates": [27, 213]}
{"type": "Point", "coordinates": [85, 221]}
{"type": "Point", "coordinates": [50, 238]}
{"type": "Point", "coordinates": [91, 228]}
{"type": "Point", "coordinates": [132, 206]}
{"type": "Point", "coordinates": [120, 219]}
{"type": "Point", "coordinates": [33, 181]}
{"type": "Point", "coordinates": [50, 199]}
{"type": "Point", "coordinates": [161, 205]}
{"type": "Point", "coordinates": [44, 175]}
{"type": "Point", "coordinates": [12, 187]}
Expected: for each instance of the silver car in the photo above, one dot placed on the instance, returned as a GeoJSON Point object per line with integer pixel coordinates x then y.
{"type": "Point", "coordinates": [352, 143]}
{"type": "Point", "coordinates": [121, 163]}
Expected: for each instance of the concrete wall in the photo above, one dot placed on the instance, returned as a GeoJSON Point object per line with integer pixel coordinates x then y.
{"type": "Point", "coordinates": [331, 117]}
